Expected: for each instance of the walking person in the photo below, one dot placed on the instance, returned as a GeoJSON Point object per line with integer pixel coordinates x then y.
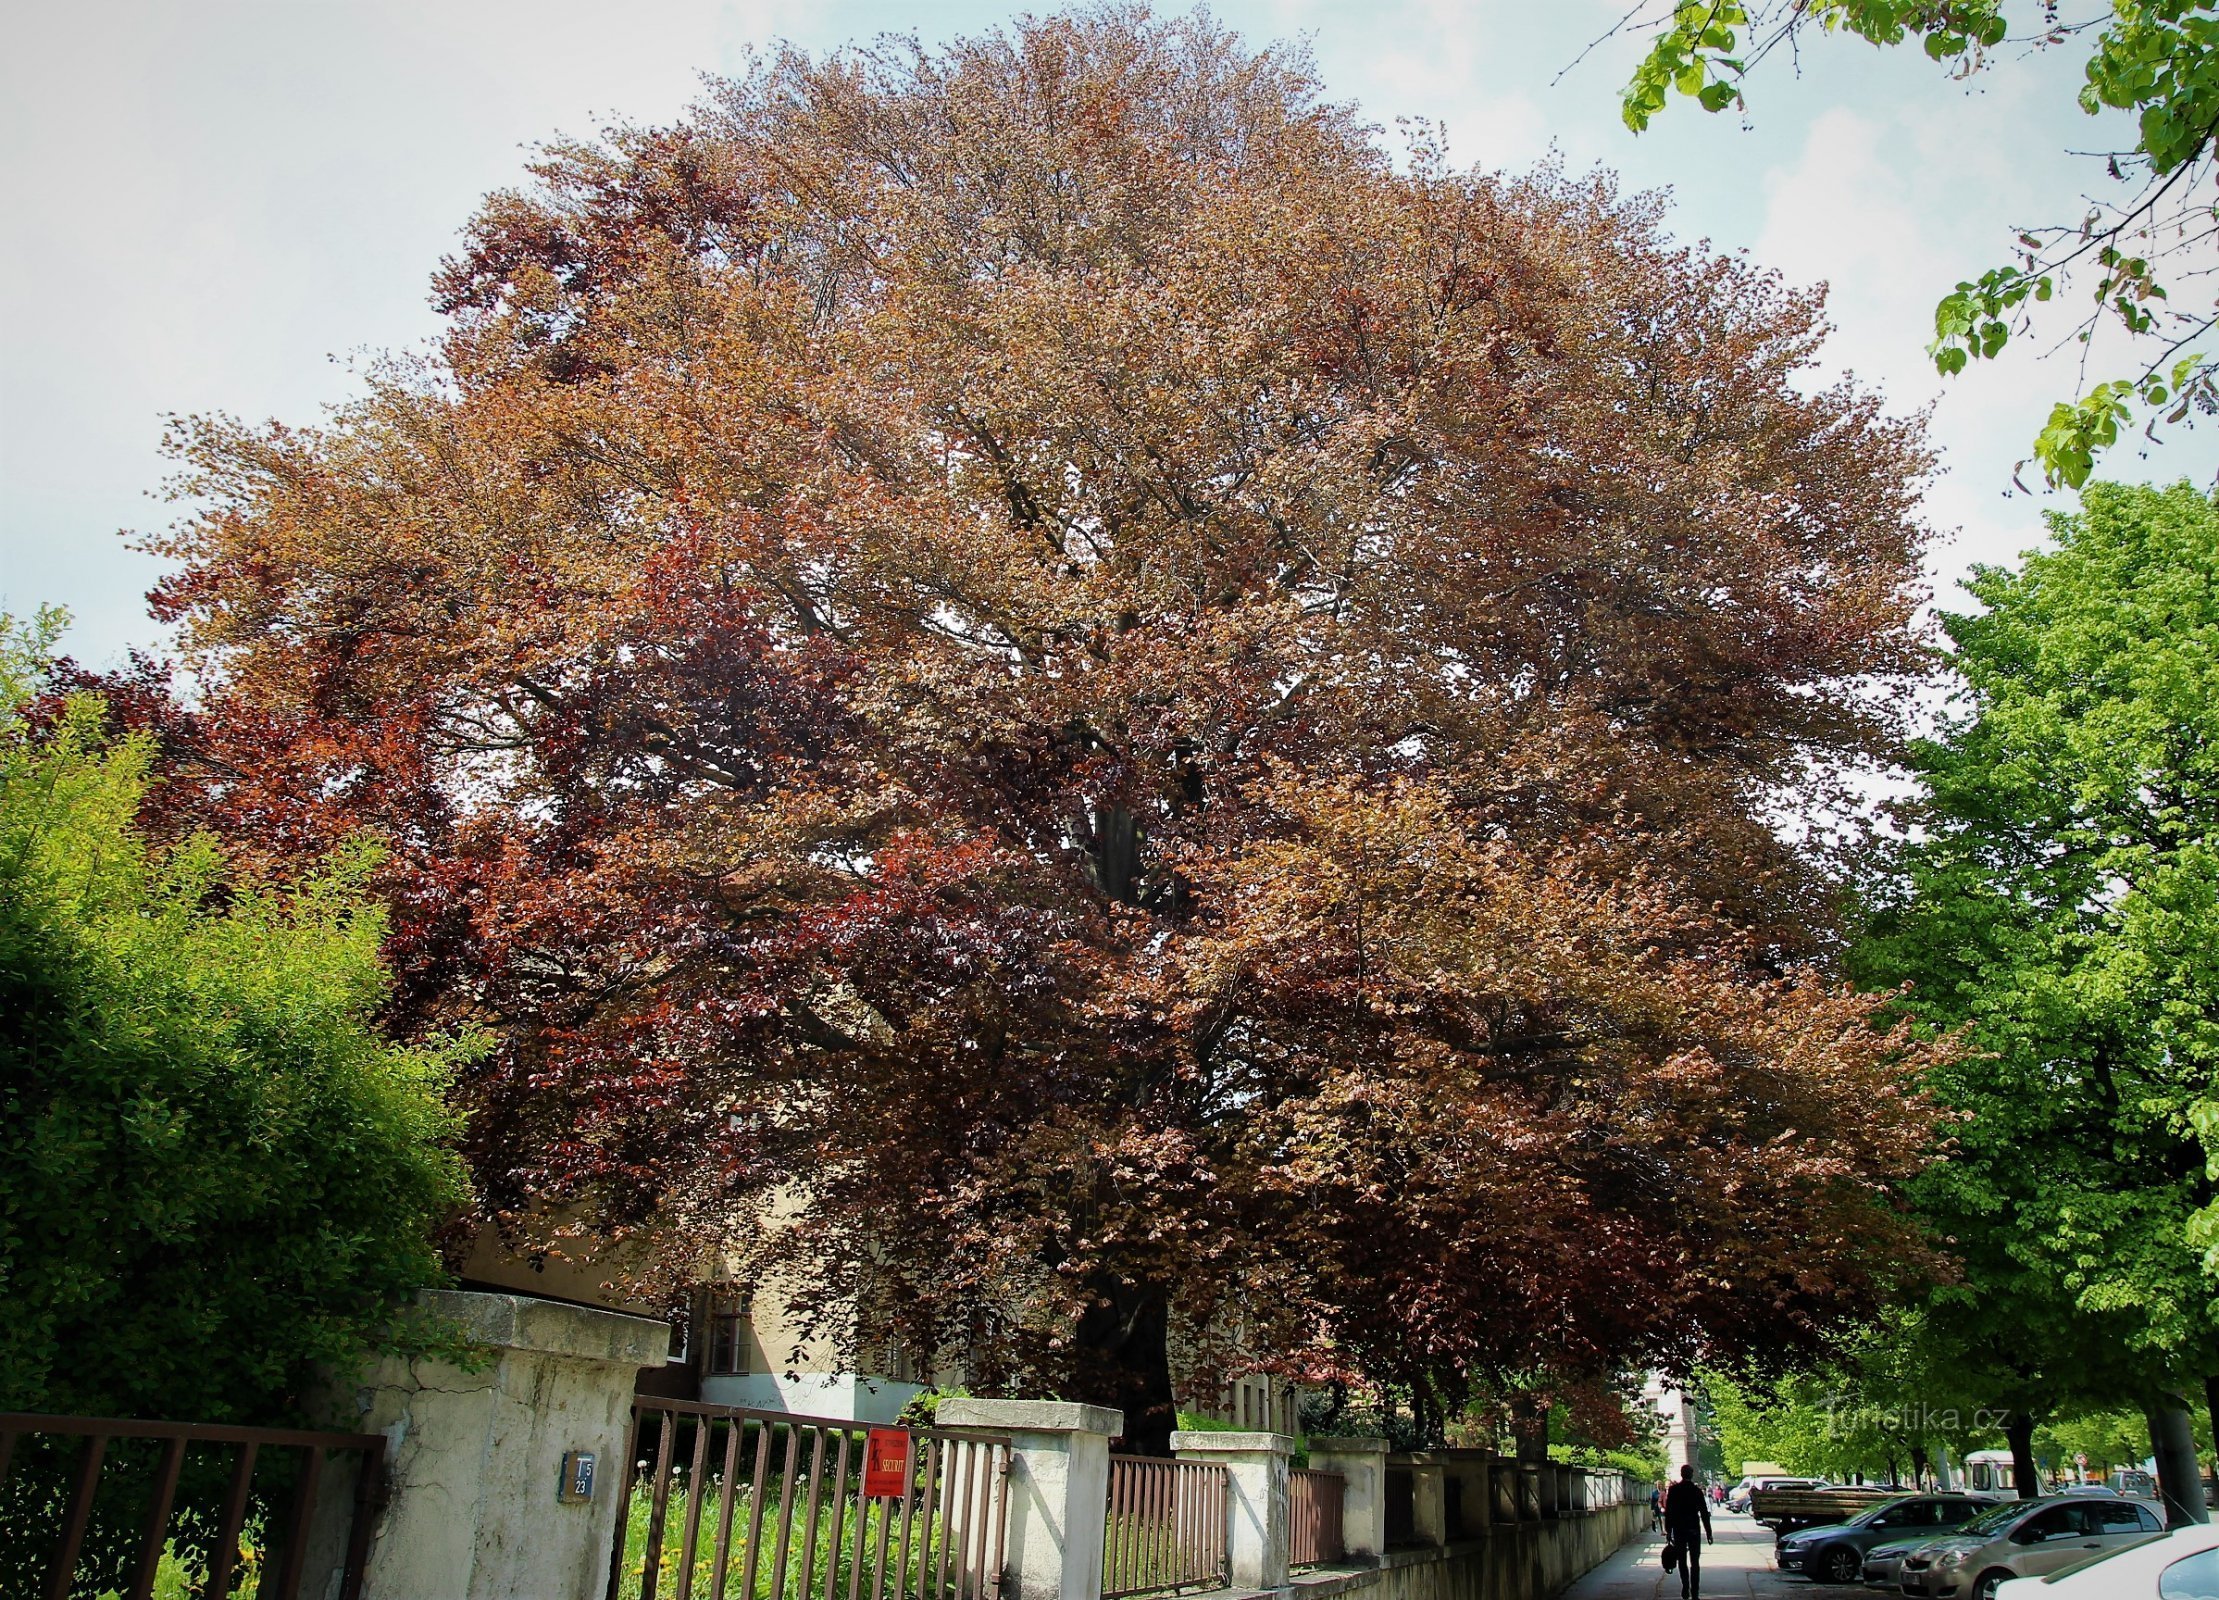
{"type": "Point", "coordinates": [1656, 1509]}
{"type": "Point", "coordinates": [1687, 1525]}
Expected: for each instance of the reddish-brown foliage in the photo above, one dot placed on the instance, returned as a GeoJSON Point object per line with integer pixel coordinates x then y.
{"type": "Point", "coordinates": [1034, 660]}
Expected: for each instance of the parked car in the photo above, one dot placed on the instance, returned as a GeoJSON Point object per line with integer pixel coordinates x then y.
{"type": "Point", "coordinates": [1884, 1562]}
{"type": "Point", "coordinates": [1836, 1553]}
{"type": "Point", "coordinates": [2181, 1565]}
{"type": "Point", "coordinates": [2023, 1539]}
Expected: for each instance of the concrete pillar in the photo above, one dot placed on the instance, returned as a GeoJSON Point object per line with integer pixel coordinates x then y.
{"type": "Point", "coordinates": [1257, 1488]}
{"type": "Point", "coordinates": [1362, 1464]}
{"type": "Point", "coordinates": [1470, 1494]}
{"type": "Point", "coordinates": [1505, 1477]}
{"type": "Point", "coordinates": [1058, 1490]}
{"type": "Point", "coordinates": [475, 1460]}
{"type": "Point", "coordinates": [1529, 1491]}
{"type": "Point", "coordinates": [1429, 1517]}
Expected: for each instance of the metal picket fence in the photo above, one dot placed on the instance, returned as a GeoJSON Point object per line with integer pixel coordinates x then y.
{"type": "Point", "coordinates": [1314, 1502]}
{"type": "Point", "coordinates": [762, 1505]}
{"type": "Point", "coordinates": [104, 1503]}
{"type": "Point", "coordinates": [1166, 1527]}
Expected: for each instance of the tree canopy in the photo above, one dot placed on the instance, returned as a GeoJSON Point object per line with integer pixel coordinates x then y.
{"type": "Point", "coordinates": [1033, 661]}
{"type": "Point", "coordinates": [2062, 904]}
{"type": "Point", "coordinates": [2156, 59]}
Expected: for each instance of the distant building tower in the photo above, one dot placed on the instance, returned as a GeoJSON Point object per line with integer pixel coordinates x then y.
{"type": "Point", "coordinates": [1676, 1412]}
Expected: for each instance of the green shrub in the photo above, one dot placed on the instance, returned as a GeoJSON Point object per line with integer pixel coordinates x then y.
{"type": "Point", "coordinates": [216, 1179]}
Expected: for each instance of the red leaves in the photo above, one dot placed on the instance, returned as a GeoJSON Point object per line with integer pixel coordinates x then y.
{"type": "Point", "coordinates": [1032, 689]}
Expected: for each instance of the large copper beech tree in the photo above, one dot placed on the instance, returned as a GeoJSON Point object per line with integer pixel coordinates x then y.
{"type": "Point", "coordinates": [1150, 728]}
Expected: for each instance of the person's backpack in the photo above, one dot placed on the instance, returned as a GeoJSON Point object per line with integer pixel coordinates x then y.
{"type": "Point", "coordinates": [1671, 1557]}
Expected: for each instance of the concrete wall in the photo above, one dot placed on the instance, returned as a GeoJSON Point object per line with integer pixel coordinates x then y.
{"type": "Point", "coordinates": [812, 1394]}
{"type": "Point", "coordinates": [475, 1459]}
{"type": "Point", "coordinates": [1532, 1561]}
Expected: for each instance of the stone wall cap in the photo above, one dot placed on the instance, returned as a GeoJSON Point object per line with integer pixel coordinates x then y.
{"type": "Point", "coordinates": [1215, 1441]}
{"type": "Point", "coordinates": [1451, 1457]}
{"type": "Point", "coordinates": [1347, 1443]}
{"type": "Point", "coordinates": [1029, 1416]}
{"type": "Point", "coordinates": [554, 1327]}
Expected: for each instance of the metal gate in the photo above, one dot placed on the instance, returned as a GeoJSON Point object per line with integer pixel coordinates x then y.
{"type": "Point", "coordinates": [723, 1501]}
{"type": "Point", "coordinates": [1167, 1527]}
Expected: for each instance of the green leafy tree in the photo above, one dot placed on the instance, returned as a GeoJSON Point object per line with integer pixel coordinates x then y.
{"type": "Point", "coordinates": [1764, 1421]}
{"type": "Point", "coordinates": [2157, 60]}
{"type": "Point", "coordinates": [2062, 906]}
{"type": "Point", "coordinates": [1887, 1406]}
{"type": "Point", "coordinates": [217, 1181]}
{"type": "Point", "coordinates": [2108, 1437]}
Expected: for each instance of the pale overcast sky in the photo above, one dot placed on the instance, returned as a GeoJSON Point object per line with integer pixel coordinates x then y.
{"type": "Point", "coordinates": [217, 206]}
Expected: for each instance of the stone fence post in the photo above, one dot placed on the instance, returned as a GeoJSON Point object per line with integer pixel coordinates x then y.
{"type": "Point", "coordinates": [1257, 1490]}
{"type": "Point", "coordinates": [1362, 1464]}
{"type": "Point", "coordinates": [1472, 1484]}
{"type": "Point", "coordinates": [1505, 1477]}
{"type": "Point", "coordinates": [480, 1506]}
{"type": "Point", "coordinates": [1058, 1490]}
{"type": "Point", "coordinates": [1429, 1513]}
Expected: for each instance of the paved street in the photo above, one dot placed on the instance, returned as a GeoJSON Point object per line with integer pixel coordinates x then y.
{"type": "Point", "coordinates": [1737, 1566]}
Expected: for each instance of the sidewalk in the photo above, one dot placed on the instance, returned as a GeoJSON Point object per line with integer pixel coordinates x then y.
{"type": "Point", "coordinates": [1737, 1566]}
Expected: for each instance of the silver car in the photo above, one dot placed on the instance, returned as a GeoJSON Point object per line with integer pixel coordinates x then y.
{"type": "Point", "coordinates": [2181, 1565]}
{"type": "Point", "coordinates": [2022, 1539]}
{"type": "Point", "coordinates": [1836, 1553]}
{"type": "Point", "coordinates": [1884, 1562]}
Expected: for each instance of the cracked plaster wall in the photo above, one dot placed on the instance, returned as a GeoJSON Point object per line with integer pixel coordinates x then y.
{"type": "Point", "coordinates": [475, 1458]}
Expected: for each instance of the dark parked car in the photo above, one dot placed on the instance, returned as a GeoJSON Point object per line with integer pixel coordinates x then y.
{"type": "Point", "coordinates": [1836, 1554]}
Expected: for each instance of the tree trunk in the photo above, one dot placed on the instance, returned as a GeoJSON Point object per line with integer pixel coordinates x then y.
{"type": "Point", "coordinates": [1529, 1428]}
{"type": "Point", "coordinates": [2173, 1442]}
{"type": "Point", "coordinates": [2211, 1413]}
{"type": "Point", "coordinates": [1921, 1468]}
{"type": "Point", "coordinates": [2018, 1432]}
{"type": "Point", "coordinates": [1123, 1342]}
{"type": "Point", "coordinates": [1115, 860]}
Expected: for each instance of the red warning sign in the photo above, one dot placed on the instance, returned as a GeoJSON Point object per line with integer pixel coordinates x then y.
{"type": "Point", "coordinates": [886, 1463]}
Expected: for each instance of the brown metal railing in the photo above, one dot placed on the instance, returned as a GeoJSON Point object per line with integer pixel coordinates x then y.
{"type": "Point", "coordinates": [1314, 1517]}
{"type": "Point", "coordinates": [115, 1509]}
{"type": "Point", "coordinates": [1167, 1526]}
{"type": "Point", "coordinates": [771, 1506]}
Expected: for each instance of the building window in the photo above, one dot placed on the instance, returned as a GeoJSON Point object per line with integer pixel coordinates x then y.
{"type": "Point", "coordinates": [729, 1334]}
